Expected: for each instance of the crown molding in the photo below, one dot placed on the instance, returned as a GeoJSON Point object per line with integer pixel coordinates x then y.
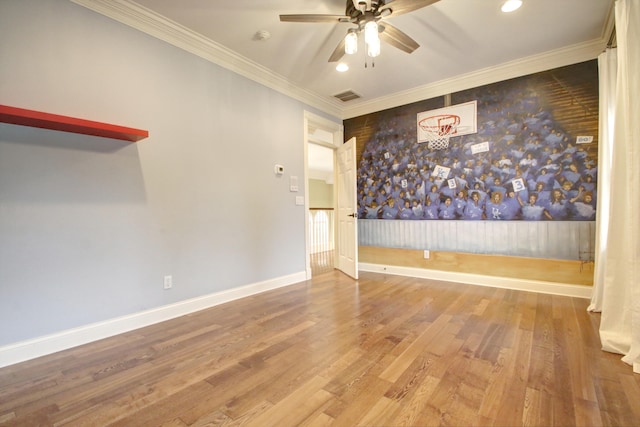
{"type": "Point", "coordinates": [149, 22]}
{"type": "Point", "coordinates": [155, 25]}
{"type": "Point", "coordinates": [508, 70]}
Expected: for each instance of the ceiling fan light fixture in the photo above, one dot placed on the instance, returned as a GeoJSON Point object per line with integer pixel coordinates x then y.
{"type": "Point", "coordinates": [365, 15]}
{"type": "Point", "coordinates": [351, 43]}
{"type": "Point", "coordinates": [373, 48]}
{"type": "Point", "coordinates": [371, 32]}
{"type": "Point", "coordinates": [511, 5]}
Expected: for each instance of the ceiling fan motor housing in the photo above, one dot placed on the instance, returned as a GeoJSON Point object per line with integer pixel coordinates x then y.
{"type": "Point", "coordinates": [356, 8]}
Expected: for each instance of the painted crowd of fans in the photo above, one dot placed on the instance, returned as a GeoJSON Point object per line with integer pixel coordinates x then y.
{"type": "Point", "coordinates": [533, 169]}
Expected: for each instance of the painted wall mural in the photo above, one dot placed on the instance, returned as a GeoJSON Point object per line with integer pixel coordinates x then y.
{"type": "Point", "coordinates": [522, 149]}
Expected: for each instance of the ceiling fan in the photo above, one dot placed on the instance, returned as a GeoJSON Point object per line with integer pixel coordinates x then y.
{"type": "Point", "coordinates": [367, 15]}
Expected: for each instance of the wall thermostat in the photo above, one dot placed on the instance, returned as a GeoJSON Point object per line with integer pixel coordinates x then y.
{"type": "Point", "coordinates": [278, 169]}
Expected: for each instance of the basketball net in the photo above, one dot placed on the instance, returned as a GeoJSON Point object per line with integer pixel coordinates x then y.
{"type": "Point", "coordinates": [438, 130]}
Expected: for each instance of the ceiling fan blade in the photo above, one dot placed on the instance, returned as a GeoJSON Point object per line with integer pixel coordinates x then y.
{"type": "Point", "coordinates": [397, 38]}
{"type": "Point", "coordinates": [338, 52]}
{"type": "Point", "coordinates": [399, 7]}
{"type": "Point", "coordinates": [314, 18]}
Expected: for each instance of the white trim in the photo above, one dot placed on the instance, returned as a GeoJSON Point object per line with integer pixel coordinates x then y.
{"type": "Point", "coordinates": [150, 22]}
{"type": "Point", "coordinates": [305, 141]}
{"type": "Point", "coordinates": [313, 121]}
{"type": "Point", "coordinates": [30, 349]}
{"type": "Point", "coordinates": [521, 67]}
{"type": "Point", "coordinates": [319, 122]}
{"type": "Point", "coordinates": [552, 288]}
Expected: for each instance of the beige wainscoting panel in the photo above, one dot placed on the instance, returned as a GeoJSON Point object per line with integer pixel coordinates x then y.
{"type": "Point", "coordinates": [548, 270]}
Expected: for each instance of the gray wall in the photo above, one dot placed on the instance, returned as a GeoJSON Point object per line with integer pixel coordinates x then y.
{"type": "Point", "coordinates": [89, 226]}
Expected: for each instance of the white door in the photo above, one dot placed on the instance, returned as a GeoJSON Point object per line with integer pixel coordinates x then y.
{"type": "Point", "coordinates": [347, 209]}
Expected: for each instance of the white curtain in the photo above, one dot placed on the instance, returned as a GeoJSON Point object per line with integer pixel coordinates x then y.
{"type": "Point", "coordinates": [616, 280]}
{"type": "Point", "coordinates": [607, 69]}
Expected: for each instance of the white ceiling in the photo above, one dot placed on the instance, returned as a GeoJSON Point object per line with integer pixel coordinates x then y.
{"type": "Point", "coordinates": [457, 38]}
{"type": "Point", "coordinates": [469, 41]}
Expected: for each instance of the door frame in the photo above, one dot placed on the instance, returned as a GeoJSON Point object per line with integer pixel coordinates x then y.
{"type": "Point", "coordinates": [311, 122]}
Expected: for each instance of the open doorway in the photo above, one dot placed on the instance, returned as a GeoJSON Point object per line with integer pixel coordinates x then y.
{"type": "Point", "coordinates": [321, 228]}
{"type": "Point", "coordinates": [322, 138]}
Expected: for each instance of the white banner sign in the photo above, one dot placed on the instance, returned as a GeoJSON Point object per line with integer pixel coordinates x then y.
{"type": "Point", "coordinates": [482, 147]}
{"type": "Point", "coordinates": [584, 140]}
{"type": "Point", "coordinates": [518, 184]}
{"type": "Point", "coordinates": [441, 172]}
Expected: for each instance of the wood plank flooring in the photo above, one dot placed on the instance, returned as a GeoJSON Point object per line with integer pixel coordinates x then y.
{"type": "Point", "coordinates": [322, 262]}
{"type": "Point", "coordinates": [381, 351]}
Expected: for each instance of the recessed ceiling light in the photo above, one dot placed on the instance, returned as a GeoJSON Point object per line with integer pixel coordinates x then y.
{"type": "Point", "coordinates": [511, 5]}
{"type": "Point", "coordinates": [342, 67]}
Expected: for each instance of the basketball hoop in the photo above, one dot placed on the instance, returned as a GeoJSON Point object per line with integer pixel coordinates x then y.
{"type": "Point", "coordinates": [438, 129]}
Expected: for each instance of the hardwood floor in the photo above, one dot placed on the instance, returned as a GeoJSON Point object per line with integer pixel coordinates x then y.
{"type": "Point", "coordinates": [322, 262]}
{"type": "Point", "coordinates": [381, 351]}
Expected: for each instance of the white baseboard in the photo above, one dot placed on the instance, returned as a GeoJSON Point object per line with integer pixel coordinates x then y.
{"type": "Point", "coordinates": [570, 290]}
{"type": "Point", "coordinates": [41, 346]}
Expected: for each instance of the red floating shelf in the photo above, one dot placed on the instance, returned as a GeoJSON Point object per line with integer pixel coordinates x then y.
{"type": "Point", "coordinates": [38, 119]}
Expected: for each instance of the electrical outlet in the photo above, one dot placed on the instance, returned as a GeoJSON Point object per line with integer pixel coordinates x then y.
{"type": "Point", "coordinates": [168, 282]}
{"type": "Point", "coordinates": [426, 254]}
